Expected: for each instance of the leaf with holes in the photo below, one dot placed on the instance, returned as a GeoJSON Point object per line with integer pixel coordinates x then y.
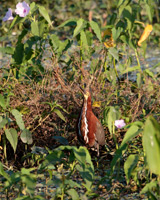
{"type": "Point", "coordinates": [26, 136]}
{"type": "Point", "coordinates": [12, 136]}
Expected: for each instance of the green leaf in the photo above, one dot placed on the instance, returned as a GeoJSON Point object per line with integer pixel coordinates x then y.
{"type": "Point", "coordinates": [7, 50]}
{"type": "Point", "coordinates": [26, 136]}
{"type": "Point", "coordinates": [149, 73]}
{"type": "Point", "coordinates": [18, 118]}
{"type": "Point", "coordinates": [16, 20]}
{"type": "Point", "coordinates": [70, 22]}
{"type": "Point", "coordinates": [58, 112]}
{"type": "Point", "coordinates": [149, 186]}
{"type": "Point", "coordinates": [73, 193]}
{"type": "Point", "coordinates": [54, 41]}
{"type": "Point", "coordinates": [113, 115]}
{"type": "Point", "coordinates": [129, 165]}
{"type": "Point", "coordinates": [132, 132]}
{"type": "Point", "coordinates": [12, 136]}
{"type": "Point", "coordinates": [29, 179]}
{"type": "Point", "coordinates": [96, 30]}
{"type": "Point", "coordinates": [130, 69]}
{"type": "Point", "coordinates": [113, 51]}
{"type": "Point", "coordinates": [149, 12]}
{"type": "Point", "coordinates": [118, 155]}
{"type": "Point", "coordinates": [3, 122]}
{"type": "Point", "coordinates": [3, 173]}
{"type": "Point", "coordinates": [72, 183]}
{"type": "Point", "coordinates": [80, 26]}
{"type": "Point", "coordinates": [151, 144]}
{"type": "Point", "coordinates": [35, 28]}
{"type": "Point", "coordinates": [139, 80]}
{"type": "Point", "coordinates": [116, 32]}
{"type": "Point", "coordinates": [122, 5]}
{"type": "Point", "coordinates": [63, 46]}
{"type": "Point", "coordinates": [2, 102]}
{"type": "Point", "coordinates": [18, 53]}
{"type": "Point", "coordinates": [44, 13]}
{"type": "Point", "coordinates": [84, 41]}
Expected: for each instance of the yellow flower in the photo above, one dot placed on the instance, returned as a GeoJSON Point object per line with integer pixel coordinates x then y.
{"type": "Point", "coordinates": [145, 34]}
{"type": "Point", "coordinates": [109, 42]}
{"type": "Point", "coordinates": [97, 104]}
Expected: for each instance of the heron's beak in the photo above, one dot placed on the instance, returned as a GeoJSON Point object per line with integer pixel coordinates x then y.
{"type": "Point", "coordinates": [85, 92]}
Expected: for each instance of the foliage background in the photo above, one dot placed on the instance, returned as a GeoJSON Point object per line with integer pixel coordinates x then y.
{"type": "Point", "coordinates": [43, 66]}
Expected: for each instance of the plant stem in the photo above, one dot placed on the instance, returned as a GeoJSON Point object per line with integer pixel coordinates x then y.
{"type": "Point", "coordinates": [114, 64]}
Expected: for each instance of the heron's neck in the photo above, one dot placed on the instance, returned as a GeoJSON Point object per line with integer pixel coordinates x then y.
{"type": "Point", "coordinates": [88, 103]}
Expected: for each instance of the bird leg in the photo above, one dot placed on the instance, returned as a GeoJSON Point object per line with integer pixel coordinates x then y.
{"type": "Point", "coordinates": [97, 146]}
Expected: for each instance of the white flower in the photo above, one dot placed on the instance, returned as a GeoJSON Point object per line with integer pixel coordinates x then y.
{"type": "Point", "coordinates": [8, 15]}
{"type": "Point", "coordinates": [22, 9]}
{"type": "Point", "coordinates": [119, 123]}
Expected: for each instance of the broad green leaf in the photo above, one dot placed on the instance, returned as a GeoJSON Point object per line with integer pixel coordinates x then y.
{"type": "Point", "coordinates": [32, 7]}
{"type": "Point", "coordinates": [127, 14]}
{"type": "Point", "coordinates": [73, 193]}
{"type": "Point", "coordinates": [149, 12]}
{"type": "Point", "coordinates": [18, 118]}
{"type": "Point", "coordinates": [116, 32]}
{"type": "Point", "coordinates": [113, 51]}
{"type": "Point", "coordinates": [129, 165]}
{"type": "Point", "coordinates": [72, 183]}
{"type": "Point", "coordinates": [26, 136]}
{"type": "Point", "coordinates": [52, 158]}
{"type": "Point", "coordinates": [96, 30]}
{"type": "Point", "coordinates": [122, 5]}
{"type": "Point", "coordinates": [2, 102]}
{"type": "Point", "coordinates": [80, 154]}
{"type": "Point", "coordinates": [59, 113]}
{"type": "Point", "coordinates": [55, 42]}
{"type": "Point", "coordinates": [18, 53]}
{"type": "Point", "coordinates": [80, 26]}
{"type": "Point", "coordinates": [63, 46]}
{"type": "Point", "coordinates": [132, 132]}
{"type": "Point", "coordinates": [44, 13]}
{"type": "Point", "coordinates": [149, 186]}
{"type": "Point", "coordinates": [12, 136]}
{"type": "Point", "coordinates": [151, 144]}
{"type": "Point", "coordinates": [113, 115]}
{"type": "Point", "coordinates": [3, 122]}
{"type": "Point", "coordinates": [35, 28]}
{"type": "Point", "coordinates": [7, 50]}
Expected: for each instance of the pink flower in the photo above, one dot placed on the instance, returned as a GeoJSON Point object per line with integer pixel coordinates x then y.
{"type": "Point", "coordinates": [8, 15]}
{"type": "Point", "coordinates": [119, 123]}
{"type": "Point", "coordinates": [22, 9]}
